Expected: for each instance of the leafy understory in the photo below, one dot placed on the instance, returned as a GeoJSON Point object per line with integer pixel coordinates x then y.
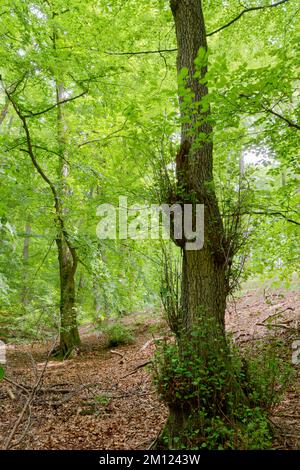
{"type": "Point", "coordinates": [149, 162]}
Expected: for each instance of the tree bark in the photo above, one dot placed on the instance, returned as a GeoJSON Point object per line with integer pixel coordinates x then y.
{"type": "Point", "coordinates": [67, 256]}
{"type": "Point", "coordinates": [24, 292]}
{"type": "Point", "coordinates": [204, 282]}
{"type": "Point", "coordinates": [69, 335]}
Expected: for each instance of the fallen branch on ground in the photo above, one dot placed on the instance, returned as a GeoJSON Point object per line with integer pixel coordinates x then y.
{"type": "Point", "coordinates": [122, 356]}
{"type": "Point", "coordinates": [8, 444]}
{"type": "Point", "coordinates": [275, 325]}
{"type": "Point", "coordinates": [137, 368]}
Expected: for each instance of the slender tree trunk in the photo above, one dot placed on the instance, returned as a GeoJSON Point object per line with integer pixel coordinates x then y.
{"type": "Point", "coordinates": [69, 335]}
{"type": "Point", "coordinates": [67, 257]}
{"type": "Point", "coordinates": [4, 111]}
{"type": "Point", "coordinates": [24, 292]}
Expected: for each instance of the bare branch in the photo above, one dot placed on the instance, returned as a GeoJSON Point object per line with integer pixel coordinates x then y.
{"type": "Point", "coordinates": [109, 136]}
{"type": "Point", "coordinates": [159, 51]}
{"type": "Point", "coordinates": [269, 214]}
{"type": "Point", "coordinates": [283, 118]}
{"type": "Point", "coordinates": [247, 10]}
{"type": "Point", "coordinates": [8, 444]}
{"type": "Point", "coordinates": [67, 100]}
{"type": "Point", "coordinates": [22, 387]}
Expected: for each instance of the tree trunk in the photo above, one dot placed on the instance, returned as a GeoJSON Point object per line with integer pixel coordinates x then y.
{"type": "Point", "coordinates": [204, 283]}
{"type": "Point", "coordinates": [204, 280]}
{"type": "Point", "coordinates": [67, 256]}
{"type": "Point", "coordinates": [4, 111]}
{"type": "Point", "coordinates": [69, 335]}
{"type": "Point", "coordinates": [25, 287]}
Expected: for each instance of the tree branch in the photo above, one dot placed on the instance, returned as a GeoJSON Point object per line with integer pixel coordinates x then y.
{"type": "Point", "coordinates": [31, 114]}
{"type": "Point", "coordinates": [270, 214]}
{"type": "Point", "coordinates": [109, 136]}
{"type": "Point", "coordinates": [283, 118]}
{"type": "Point", "coordinates": [247, 10]}
{"type": "Point", "coordinates": [41, 172]}
{"type": "Point", "coordinates": [174, 5]}
{"type": "Point", "coordinates": [27, 404]}
{"type": "Point", "coordinates": [159, 51]}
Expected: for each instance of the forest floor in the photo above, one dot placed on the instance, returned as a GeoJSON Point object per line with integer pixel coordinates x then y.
{"type": "Point", "coordinates": [103, 398]}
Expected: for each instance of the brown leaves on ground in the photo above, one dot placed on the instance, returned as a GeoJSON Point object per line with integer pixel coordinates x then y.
{"type": "Point", "coordinates": [105, 400]}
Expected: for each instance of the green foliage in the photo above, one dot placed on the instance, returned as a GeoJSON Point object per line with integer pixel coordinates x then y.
{"type": "Point", "coordinates": [117, 334]}
{"type": "Point", "coordinates": [102, 400]}
{"type": "Point", "coordinates": [122, 135]}
{"type": "Point", "coordinates": [268, 376]}
{"type": "Point", "coordinates": [227, 398]}
{"type": "Point", "coordinates": [2, 373]}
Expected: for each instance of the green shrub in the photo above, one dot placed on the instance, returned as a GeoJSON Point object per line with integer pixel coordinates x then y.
{"type": "Point", "coordinates": [227, 402]}
{"type": "Point", "coordinates": [117, 335]}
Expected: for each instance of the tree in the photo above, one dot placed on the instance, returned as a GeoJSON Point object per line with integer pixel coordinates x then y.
{"type": "Point", "coordinates": [204, 283]}
{"type": "Point", "coordinates": [206, 273]}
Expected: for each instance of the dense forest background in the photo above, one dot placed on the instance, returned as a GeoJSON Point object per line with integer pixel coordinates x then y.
{"type": "Point", "coordinates": [89, 112]}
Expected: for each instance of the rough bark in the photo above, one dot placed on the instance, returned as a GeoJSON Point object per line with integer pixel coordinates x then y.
{"type": "Point", "coordinates": [204, 286]}
{"type": "Point", "coordinates": [204, 282]}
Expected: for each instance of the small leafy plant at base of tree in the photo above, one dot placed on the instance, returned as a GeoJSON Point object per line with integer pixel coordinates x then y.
{"type": "Point", "coordinates": [220, 415]}
{"type": "Point", "coordinates": [102, 400]}
{"type": "Point", "coordinates": [117, 335]}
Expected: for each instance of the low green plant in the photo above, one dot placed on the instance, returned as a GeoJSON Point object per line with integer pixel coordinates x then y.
{"type": "Point", "coordinates": [102, 400]}
{"type": "Point", "coordinates": [226, 402]}
{"type": "Point", "coordinates": [118, 334]}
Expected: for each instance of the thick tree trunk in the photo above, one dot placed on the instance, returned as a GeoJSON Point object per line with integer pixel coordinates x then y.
{"type": "Point", "coordinates": [204, 282]}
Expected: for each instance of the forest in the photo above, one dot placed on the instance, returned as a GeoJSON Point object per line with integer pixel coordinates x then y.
{"type": "Point", "coordinates": [149, 227]}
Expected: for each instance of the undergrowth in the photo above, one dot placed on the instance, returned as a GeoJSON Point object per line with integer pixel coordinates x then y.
{"type": "Point", "coordinates": [118, 334]}
{"type": "Point", "coordinates": [225, 403]}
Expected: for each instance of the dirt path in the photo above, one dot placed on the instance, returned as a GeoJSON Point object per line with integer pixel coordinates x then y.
{"type": "Point", "coordinates": [120, 409]}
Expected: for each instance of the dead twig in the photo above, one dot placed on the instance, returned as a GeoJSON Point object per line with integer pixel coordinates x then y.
{"type": "Point", "coordinates": [8, 444]}
{"type": "Point", "coordinates": [71, 394]}
{"type": "Point", "coordinates": [122, 356]}
{"type": "Point", "coordinates": [156, 440]}
{"type": "Point", "coordinates": [26, 428]}
{"type": "Point", "coordinates": [10, 393]}
{"type": "Point", "coordinates": [20, 386]}
{"type": "Point", "coordinates": [144, 364]}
